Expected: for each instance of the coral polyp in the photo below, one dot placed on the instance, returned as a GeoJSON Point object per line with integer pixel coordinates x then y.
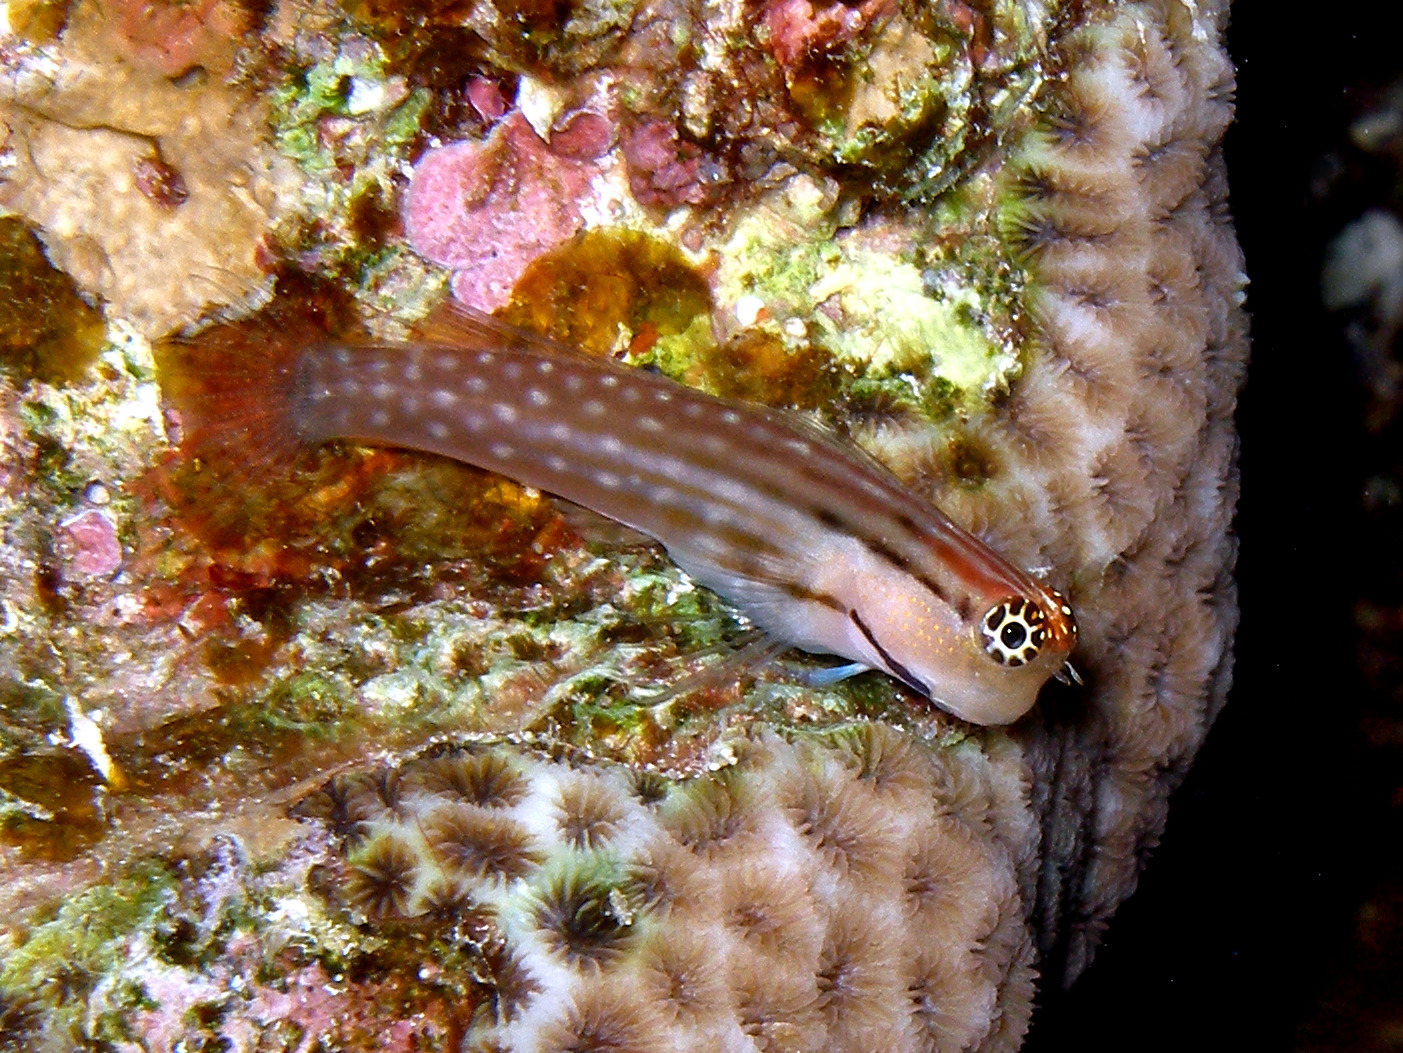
{"type": "Point", "coordinates": [775, 937]}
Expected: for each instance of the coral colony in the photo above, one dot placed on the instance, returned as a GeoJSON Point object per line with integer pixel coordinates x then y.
{"type": "Point", "coordinates": [348, 747]}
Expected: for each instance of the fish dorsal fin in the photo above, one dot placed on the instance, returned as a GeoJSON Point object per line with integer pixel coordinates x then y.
{"type": "Point", "coordinates": [459, 325]}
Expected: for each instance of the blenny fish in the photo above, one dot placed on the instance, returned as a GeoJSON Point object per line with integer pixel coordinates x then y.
{"type": "Point", "coordinates": [822, 547]}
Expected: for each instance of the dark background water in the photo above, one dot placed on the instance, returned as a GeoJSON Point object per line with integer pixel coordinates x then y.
{"type": "Point", "coordinates": [1269, 918]}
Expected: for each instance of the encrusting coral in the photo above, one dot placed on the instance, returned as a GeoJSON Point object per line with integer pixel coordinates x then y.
{"type": "Point", "coordinates": [839, 891]}
{"type": "Point", "coordinates": [1119, 437]}
{"type": "Point", "coordinates": [392, 762]}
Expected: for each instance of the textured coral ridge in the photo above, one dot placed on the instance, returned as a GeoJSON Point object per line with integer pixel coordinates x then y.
{"type": "Point", "coordinates": [1118, 439]}
{"type": "Point", "coordinates": [849, 891]}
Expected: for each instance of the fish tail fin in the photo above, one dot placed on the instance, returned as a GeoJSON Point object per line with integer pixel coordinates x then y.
{"type": "Point", "coordinates": [232, 393]}
{"type": "Point", "coordinates": [242, 470]}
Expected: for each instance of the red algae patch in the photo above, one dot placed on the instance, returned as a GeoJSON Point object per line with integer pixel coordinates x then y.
{"type": "Point", "coordinates": [486, 209]}
{"type": "Point", "coordinates": [88, 546]}
{"type": "Point", "coordinates": [665, 170]}
{"type": "Point", "coordinates": [171, 37]}
{"type": "Point", "coordinates": [799, 29]}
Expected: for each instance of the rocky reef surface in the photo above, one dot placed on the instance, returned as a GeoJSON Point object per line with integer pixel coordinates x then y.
{"type": "Point", "coordinates": [389, 753]}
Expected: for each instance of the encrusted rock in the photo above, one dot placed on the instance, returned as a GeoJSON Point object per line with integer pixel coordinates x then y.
{"type": "Point", "coordinates": [154, 194]}
{"type": "Point", "coordinates": [430, 766]}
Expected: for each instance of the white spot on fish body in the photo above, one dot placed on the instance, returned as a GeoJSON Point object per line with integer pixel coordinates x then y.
{"type": "Point", "coordinates": [573, 383]}
{"type": "Point", "coordinates": [443, 398]}
{"type": "Point", "coordinates": [593, 408]}
{"type": "Point", "coordinates": [380, 419]}
{"type": "Point", "coordinates": [485, 358]}
{"type": "Point", "coordinates": [537, 397]}
{"type": "Point", "coordinates": [662, 396]}
{"type": "Point", "coordinates": [438, 429]}
{"type": "Point", "coordinates": [504, 412]}
{"type": "Point", "coordinates": [512, 370]}
{"type": "Point", "coordinates": [545, 368]}
{"type": "Point", "coordinates": [650, 424]}
{"type": "Point", "coordinates": [609, 380]}
{"type": "Point", "coordinates": [477, 385]}
{"type": "Point", "coordinates": [412, 371]}
{"type": "Point", "coordinates": [557, 464]}
{"type": "Point", "coordinates": [609, 444]}
{"type": "Point", "coordinates": [730, 417]}
{"type": "Point", "coordinates": [608, 480]}
{"type": "Point", "coordinates": [501, 451]}
{"type": "Point", "coordinates": [561, 432]}
{"type": "Point", "coordinates": [694, 409]}
{"type": "Point", "coordinates": [382, 390]}
{"type": "Point", "coordinates": [632, 394]}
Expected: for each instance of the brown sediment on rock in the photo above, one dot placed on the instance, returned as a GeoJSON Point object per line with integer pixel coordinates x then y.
{"type": "Point", "coordinates": [48, 332]}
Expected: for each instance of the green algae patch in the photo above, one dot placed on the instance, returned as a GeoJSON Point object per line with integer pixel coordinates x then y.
{"type": "Point", "coordinates": [910, 320]}
{"type": "Point", "coordinates": [47, 331]}
{"type": "Point", "coordinates": [86, 938]}
{"type": "Point", "coordinates": [876, 108]}
{"type": "Point", "coordinates": [350, 124]}
{"type": "Point", "coordinates": [780, 248]}
{"type": "Point", "coordinates": [888, 321]}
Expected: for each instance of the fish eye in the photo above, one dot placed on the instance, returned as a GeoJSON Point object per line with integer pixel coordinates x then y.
{"type": "Point", "coordinates": [1014, 631]}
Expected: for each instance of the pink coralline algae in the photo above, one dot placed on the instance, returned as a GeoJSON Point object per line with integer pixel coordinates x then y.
{"type": "Point", "coordinates": [583, 136]}
{"type": "Point", "coordinates": [174, 36]}
{"type": "Point", "coordinates": [89, 546]}
{"type": "Point", "coordinates": [666, 170]}
{"type": "Point", "coordinates": [487, 209]}
{"type": "Point", "coordinates": [485, 96]}
{"type": "Point", "coordinates": [798, 28]}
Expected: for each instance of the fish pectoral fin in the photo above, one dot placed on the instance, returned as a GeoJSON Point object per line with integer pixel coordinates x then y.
{"type": "Point", "coordinates": [755, 650]}
{"type": "Point", "coordinates": [827, 677]}
{"type": "Point", "coordinates": [593, 527]}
